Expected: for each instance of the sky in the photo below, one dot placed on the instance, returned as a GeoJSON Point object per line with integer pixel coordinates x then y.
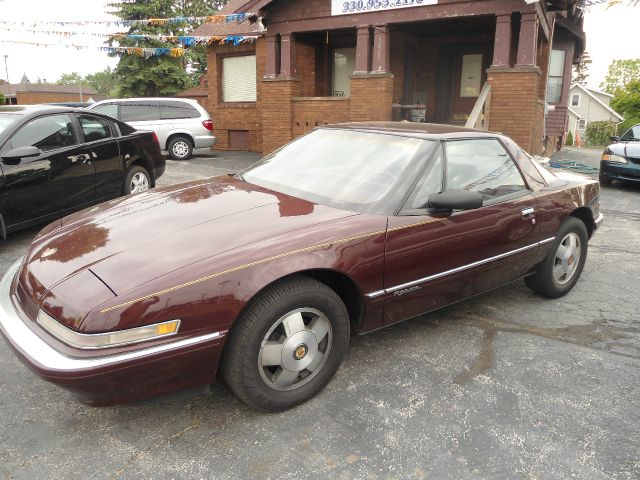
{"type": "Point", "coordinates": [610, 35]}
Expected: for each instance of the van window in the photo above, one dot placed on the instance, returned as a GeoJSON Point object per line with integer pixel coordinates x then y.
{"type": "Point", "coordinates": [139, 111]}
{"type": "Point", "coordinates": [171, 109]}
{"type": "Point", "coordinates": [110, 109]}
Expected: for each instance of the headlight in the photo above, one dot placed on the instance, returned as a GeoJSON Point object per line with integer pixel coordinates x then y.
{"type": "Point", "coordinates": [610, 157]}
{"type": "Point", "coordinates": [110, 339]}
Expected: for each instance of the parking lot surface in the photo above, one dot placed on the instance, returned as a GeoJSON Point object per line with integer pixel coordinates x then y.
{"type": "Point", "coordinates": [506, 385]}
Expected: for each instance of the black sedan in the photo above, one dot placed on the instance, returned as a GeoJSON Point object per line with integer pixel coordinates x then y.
{"type": "Point", "coordinates": [56, 160]}
{"type": "Point", "coordinates": [621, 160]}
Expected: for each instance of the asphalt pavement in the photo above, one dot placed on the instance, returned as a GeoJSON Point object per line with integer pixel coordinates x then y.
{"type": "Point", "coordinates": [507, 385]}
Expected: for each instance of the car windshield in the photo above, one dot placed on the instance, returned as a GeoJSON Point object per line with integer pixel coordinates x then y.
{"type": "Point", "coordinates": [8, 119]}
{"type": "Point", "coordinates": [347, 169]}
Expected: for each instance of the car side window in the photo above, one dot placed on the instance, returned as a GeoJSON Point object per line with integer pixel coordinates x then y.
{"type": "Point", "coordinates": [47, 133]}
{"type": "Point", "coordinates": [110, 109]}
{"type": "Point", "coordinates": [175, 109]}
{"type": "Point", "coordinates": [482, 166]}
{"type": "Point", "coordinates": [140, 112]}
{"type": "Point", "coordinates": [429, 183]}
{"type": "Point", "coordinates": [94, 128]}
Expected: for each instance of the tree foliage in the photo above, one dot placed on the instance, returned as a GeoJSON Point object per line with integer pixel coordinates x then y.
{"type": "Point", "coordinates": [569, 138]}
{"type": "Point", "coordinates": [581, 69]}
{"type": "Point", "coordinates": [620, 73]}
{"type": "Point", "coordinates": [73, 78]}
{"type": "Point", "coordinates": [159, 76]}
{"type": "Point", "coordinates": [104, 83]}
{"type": "Point", "coordinates": [599, 132]}
{"type": "Point", "coordinates": [627, 103]}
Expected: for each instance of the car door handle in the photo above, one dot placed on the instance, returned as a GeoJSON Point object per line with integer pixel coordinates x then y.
{"type": "Point", "coordinates": [82, 158]}
{"type": "Point", "coordinates": [528, 211]}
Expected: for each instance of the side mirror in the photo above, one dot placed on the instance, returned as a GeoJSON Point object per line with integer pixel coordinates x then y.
{"type": "Point", "coordinates": [614, 138]}
{"type": "Point", "coordinates": [21, 152]}
{"type": "Point", "coordinates": [456, 200]}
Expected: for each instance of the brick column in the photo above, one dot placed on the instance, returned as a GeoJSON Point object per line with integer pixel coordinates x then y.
{"type": "Point", "coordinates": [371, 97]}
{"type": "Point", "coordinates": [502, 41]}
{"type": "Point", "coordinates": [528, 40]}
{"type": "Point", "coordinates": [363, 49]}
{"type": "Point", "coordinates": [380, 61]}
{"type": "Point", "coordinates": [277, 111]}
{"type": "Point", "coordinates": [516, 109]}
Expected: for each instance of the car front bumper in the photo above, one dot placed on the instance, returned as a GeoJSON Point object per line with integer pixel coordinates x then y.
{"type": "Point", "coordinates": [620, 171]}
{"type": "Point", "coordinates": [205, 141]}
{"type": "Point", "coordinates": [112, 378]}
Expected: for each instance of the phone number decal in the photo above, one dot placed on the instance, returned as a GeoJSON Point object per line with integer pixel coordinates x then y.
{"type": "Point", "coordinates": [342, 7]}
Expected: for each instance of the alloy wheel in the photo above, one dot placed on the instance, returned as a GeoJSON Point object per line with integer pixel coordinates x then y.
{"type": "Point", "coordinates": [567, 258]}
{"type": "Point", "coordinates": [180, 149]}
{"type": "Point", "coordinates": [139, 183]}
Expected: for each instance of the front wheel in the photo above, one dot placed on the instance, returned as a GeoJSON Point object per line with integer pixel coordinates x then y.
{"type": "Point", "coordinates": [287, 344]}
{"type": "Point", "coordinates": [137, 180]}
{"type": "Point", "coordinates": [561, 269]}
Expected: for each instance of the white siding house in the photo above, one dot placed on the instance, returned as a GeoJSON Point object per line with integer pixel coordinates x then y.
{"type": "Point", "coordinates": [587, 105]}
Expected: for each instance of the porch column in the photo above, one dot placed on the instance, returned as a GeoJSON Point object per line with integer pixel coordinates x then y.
{"type": "Point", "coordinates": [272, 63]}
{"type": "Point", "coordinates": [380, 49]}
{"type": "Point", "coordinates": [287, 55]}
{"type": "Point", "coordinates": [362, 50]}
{"type": "Point", "coordinates": [502, 41]}
{"type": "Point", "coordinates": [528, 41]}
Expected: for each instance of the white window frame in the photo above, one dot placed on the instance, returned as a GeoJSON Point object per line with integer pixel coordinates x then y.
{"type": "Point", "coordinates": [248, 90]}
{"type": "Point", "coordinates": [582, 124]}
{"type": "Point", "coordinates": [579, 99]}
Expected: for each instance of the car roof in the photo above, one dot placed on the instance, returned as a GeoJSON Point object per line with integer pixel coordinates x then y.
{"type": "Point", "coordinates": [34, 109]}
{"type": "Point", "coordinates": [146, 99]}
{"type": "Point", "coordinates": [426, 130]}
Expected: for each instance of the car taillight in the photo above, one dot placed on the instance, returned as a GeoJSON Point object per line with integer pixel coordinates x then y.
{"type": "Point", "coordinates": [155, 137]}
{"type": "Point", "coordinates": [208, 124]}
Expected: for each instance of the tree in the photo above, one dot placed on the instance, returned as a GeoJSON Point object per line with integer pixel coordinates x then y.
{"type": "Point", "coordinates": [104, 83]}
{"type": "Point", "coordinates": [620, 73]}
{"type": "Point", "coordinates": [627, 103]}
{"type": "Point", "coordinates": [158, 76]}
{"type": "Point", "coordinates": [581, 69]}
{"type": "Point", "coordinates": [73, 78]}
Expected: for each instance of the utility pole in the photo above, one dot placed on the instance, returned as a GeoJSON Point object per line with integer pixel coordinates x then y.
{"type": "Point", "coordinates": [80, 85]}
{"type": "Point", "coordinates": [6, 69]}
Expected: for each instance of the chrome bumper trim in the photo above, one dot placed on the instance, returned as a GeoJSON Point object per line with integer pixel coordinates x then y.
{"type": "Point", "coordinates": [458, 269]}
{"type": "Point", "coordinates": [42, 355]}
{"type": "Point", "coordinates": [598, 221]}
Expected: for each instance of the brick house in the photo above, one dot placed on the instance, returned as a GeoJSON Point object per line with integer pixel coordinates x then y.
{"type": "Point", "coordinates": [200, 92]}
{"type": "Point", "coordinates": [27, 93]}
{"type": "Point", "coordinates": [493, 64]}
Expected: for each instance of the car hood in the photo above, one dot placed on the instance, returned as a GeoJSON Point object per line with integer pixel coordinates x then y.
{"type": "Point", "coordinates": [131, 241]}
{"type": "Point", "coordinates": [629, 150]}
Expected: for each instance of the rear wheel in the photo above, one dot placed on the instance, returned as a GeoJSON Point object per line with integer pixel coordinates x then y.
{"type": "Point", "coordinates": [561, 269]}
{"type": "Point", "coordinates": [137, 180]}
{"type": "Point", "coordinates": [180, 148]}
{"type": "Point", "coordinates": [286, 345]}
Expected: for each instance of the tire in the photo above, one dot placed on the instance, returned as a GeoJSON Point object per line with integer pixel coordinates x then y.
{"type": "Point", "coordinates": [180, 148]}
{"type": "Point", "coordinates": [605, 180]}
{"type": "Point", "coordinates": [137, 180]}
{"type": "Point", "coordinates": [558, 273]}
{"type": "Point", "coordinates": [269, 336]}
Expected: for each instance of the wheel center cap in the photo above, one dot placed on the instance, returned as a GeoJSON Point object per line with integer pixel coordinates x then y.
{"type": "Point", "coordinates": [300, 351]}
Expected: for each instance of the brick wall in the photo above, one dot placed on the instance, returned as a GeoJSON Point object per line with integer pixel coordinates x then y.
{"type": "Point", "coordinates": [371, 97]}
{"type": "Point", "coordinates": [309, 113]}
{"type": "Point", "coordinates": [33, 98]}
{"type": "Point", "coordinates": [277, 112]}
{"type": "Point", "coordinates": [235, 116]}
{"type": "Point", "coordinates": [516, 109]}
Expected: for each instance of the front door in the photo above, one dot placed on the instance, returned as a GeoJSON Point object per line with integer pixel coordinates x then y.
{"type": "Point", "coordinates": [435, 259]}
{"type": "Point", "coordinates": [464, 69]}
{"type": "Point", "coordinates": [60, 178]}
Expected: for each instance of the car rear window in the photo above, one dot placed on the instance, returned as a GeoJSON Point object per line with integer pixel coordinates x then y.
{"type": "Point", "coordinates": [171, 110]}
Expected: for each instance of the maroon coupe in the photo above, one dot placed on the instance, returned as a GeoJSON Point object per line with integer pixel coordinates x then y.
{"type": "Point", "coordinates": [263, 275]}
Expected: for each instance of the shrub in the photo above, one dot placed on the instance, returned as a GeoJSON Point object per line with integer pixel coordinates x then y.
{"type": "Point", "coordinates": [569, 138]}
{"type": "Point", "coordinates": [598, 133]}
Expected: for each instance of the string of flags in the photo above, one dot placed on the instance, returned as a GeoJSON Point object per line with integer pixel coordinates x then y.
{"type": "Point", "coordinates": [235, 17]}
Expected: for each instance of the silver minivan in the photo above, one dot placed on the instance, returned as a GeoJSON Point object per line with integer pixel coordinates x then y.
{"type": "Point", "coordinates": [180, 124]}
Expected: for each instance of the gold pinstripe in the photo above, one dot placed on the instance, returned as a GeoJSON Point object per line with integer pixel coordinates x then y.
{"type": "Point", "coordinates": [259, 262]}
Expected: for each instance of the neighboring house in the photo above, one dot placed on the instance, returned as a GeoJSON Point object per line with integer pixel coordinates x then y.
{"type": "Point", "coordinates": [318, 63]}
{"type": "Point", "coordinates": [27, 93]}
{"type": "Point", "coordinates": [587, 105]}
{"type": "Point", "coordinates": [200, 92]}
